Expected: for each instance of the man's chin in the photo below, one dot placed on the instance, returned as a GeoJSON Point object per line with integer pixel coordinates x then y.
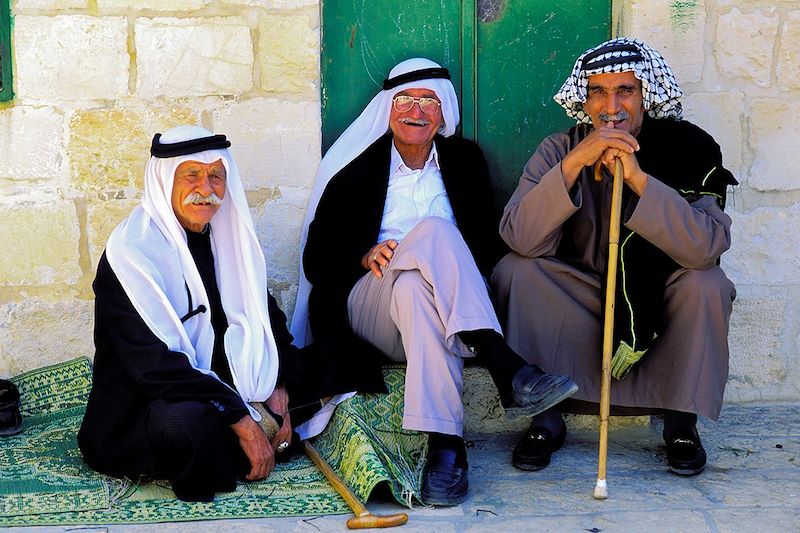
{"type": "Point", "coordinates": [414, 136]}
{"type": "Point", "coordinates": [624, 125]}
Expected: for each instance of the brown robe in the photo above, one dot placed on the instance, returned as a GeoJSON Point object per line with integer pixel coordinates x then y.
{"type": "Point", "coordinates": [548, 289]}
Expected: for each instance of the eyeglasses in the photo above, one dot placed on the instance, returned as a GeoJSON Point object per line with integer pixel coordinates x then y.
{"type": "Point", "coordinates": [403, 103]}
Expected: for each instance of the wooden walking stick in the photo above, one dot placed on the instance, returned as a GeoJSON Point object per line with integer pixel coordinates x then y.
{"type": "Point", "coordinates": [363, 518]}
{"type": "Point", "coordinates": [601, 489]}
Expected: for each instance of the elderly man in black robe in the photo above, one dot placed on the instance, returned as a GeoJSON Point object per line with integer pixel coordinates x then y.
{"type": "Point", "coordinates": [194, 363]}
{"type": "Point", "coordinates": [400, 237]}
{"type": "Point", "coordinates": [673, 302]}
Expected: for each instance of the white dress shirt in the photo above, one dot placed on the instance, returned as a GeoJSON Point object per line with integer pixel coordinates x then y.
{"type": "Point", "coordinates": [413, 195]}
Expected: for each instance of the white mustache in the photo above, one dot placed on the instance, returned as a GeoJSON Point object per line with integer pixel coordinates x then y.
{"type": "Point", "coordinates": [420, 122]}
{"type": "Point", "coordinates": [198, 199]}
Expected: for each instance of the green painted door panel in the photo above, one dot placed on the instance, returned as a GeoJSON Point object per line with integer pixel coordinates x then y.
{"type": "Point", "coordinates": [506, 58]}
{"type": "Point", "coordinates": [525, 51]}
{"type": "Point", "coordinates": [363, 39]}
{"type": "Point", "coordinates": [6, 92]}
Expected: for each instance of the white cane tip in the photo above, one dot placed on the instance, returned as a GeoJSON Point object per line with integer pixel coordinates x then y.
{"type": "Point", "coordinates": [600, 490]}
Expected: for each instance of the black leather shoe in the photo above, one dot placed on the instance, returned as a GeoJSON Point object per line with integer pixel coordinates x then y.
{"type": "Point", "coordinates": [534, 391]}
{"type": "Point", "coordinates": [10, 418]}
{"type": "Point", "coordinates": [444, 483]}
{"type": "Point", "coordinates": [685, 453]}
{"type": "Point", "coordinates": [533, 451]}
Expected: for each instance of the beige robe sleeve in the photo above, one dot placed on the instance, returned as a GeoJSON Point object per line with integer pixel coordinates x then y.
{"type": "Point", "coordinates": [694, 235]}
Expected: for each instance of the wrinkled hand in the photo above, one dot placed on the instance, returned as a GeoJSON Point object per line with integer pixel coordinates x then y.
{"type": "Point", "coordinates": [256, 447]}
{"type": "Point", "coordinates": [604, 144]}
{"type": "Point", "coordinates": [279, 404]}
{"type": "Point", "coordinates": [379, 256]}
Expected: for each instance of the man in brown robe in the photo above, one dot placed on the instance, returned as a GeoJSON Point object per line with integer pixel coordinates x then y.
{"type": "Point", "coordinates": [673, 300]}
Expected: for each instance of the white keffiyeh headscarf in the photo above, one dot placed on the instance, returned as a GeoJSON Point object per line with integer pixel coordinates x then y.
{"type": "Point", "coordinates": [150, 257]}
{"type": "Point", "coordinates": [660, 90]}
{"type": "Point", "coordinates": [370, 125]}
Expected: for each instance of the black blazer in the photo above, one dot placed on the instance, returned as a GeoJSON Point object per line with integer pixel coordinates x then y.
{"type": "Point", "coordinates": [348, 219]}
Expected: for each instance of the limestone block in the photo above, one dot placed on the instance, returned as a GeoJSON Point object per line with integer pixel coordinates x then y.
{"type": "Point", "coordinates": [774, 140]}
{"type": "Point", "coordinates": [754, 3]}
{"type": "Point", "coordinates": [109, 147]}
{"type": "Point", "coordinates": [44, 241]}
{"type": "Point", "coordinates": [744, 44]}
{"type": "Point", "coordinates": [758, 326]}
{"type": "Point", "coordinates": [589, 422]}
{"type": "Point", "coordinates": [102, 218]}
{"type": "Point", "coordinates": [289, 54]}
{"type": "Point", "coordinates": [154, 5]}
{"type": "Point", "coordinates": [32, 143]}
{"type": "Point", "coordinates": [765, 245]}
{"type": "Point", "coordinates": [483, 412]}
{"type": "Point", "coordinates": [278, 223]}
{"type": "Point", "coordinates": [36, 333]}
{"type": "Point", "coordinates": [788, 69]}
{"type": "Point", "coordinates": [193, 56]}
{"type": "Point", "coordinates": [49, 4]}
{"type": "Point", "coordinates": [721, 115]}
{"type": "Point", "coordinates": [71, 57]}
{"type": "Point", "coordinates": [676, 29]}
{"type": "Point", "coordinates": [274, 4]}
{"type": "Point", "coordinates": [274, 142]}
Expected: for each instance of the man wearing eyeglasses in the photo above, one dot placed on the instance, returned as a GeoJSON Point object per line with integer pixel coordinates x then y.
{"type": "Point", "coordinates": [673, 301]}
{"type": "Point", "coordinates": [400, 237]}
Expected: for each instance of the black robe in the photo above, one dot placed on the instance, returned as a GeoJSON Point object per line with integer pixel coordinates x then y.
{"type": "Point", "coordinates": [133, 367]}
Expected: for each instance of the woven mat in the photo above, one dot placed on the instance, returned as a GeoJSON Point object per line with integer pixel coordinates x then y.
{"type": "Point", "coordinates": [43, 480]}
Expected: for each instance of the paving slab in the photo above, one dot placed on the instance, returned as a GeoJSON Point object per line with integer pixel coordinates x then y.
{"type": "Point", "coordinates": [751, 484]}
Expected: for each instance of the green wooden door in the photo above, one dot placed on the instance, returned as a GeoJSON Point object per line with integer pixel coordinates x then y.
{"type": "Point", "coordinates": [506, 57]}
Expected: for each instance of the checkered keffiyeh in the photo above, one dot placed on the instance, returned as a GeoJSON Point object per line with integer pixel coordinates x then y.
{"type": "Point", "coordinates": [660, 90]}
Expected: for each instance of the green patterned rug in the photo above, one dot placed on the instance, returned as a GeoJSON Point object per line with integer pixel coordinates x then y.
{"type": "Point", "coordinates": [43, 480]}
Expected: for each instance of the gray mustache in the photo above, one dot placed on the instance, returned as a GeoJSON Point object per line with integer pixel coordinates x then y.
{"type": "Point", "coordinates": [198, 199]}
{"type": "Point", "coordinates": [420, 122]}
{"type": "Point", "coordinates": [605, 117]}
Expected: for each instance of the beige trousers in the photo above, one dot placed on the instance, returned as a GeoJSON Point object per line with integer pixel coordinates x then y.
{"type": "Point", "coordinates": [430, 291]}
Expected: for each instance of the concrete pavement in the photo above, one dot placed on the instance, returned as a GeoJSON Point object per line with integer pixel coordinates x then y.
{"type": "Point", "coordinates": [751, 484]}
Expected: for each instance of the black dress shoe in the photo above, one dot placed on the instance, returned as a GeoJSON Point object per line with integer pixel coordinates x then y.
{"type": "Point", "coordinates": [444, 482]}
{"type": "Point", "coordinates": [533, 451]}
{"type": "Point", "coordinates": [535, 391]}
{"type": "Point", "coordinates": [10, 418]}
{"type": "Point", "coordinates": [685, 453]}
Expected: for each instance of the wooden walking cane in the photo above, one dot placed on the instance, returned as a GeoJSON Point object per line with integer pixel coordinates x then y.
{"type": "Point", "coordinates": [601, 489]}
{"type": "Point", "coordinates": [363, 518]}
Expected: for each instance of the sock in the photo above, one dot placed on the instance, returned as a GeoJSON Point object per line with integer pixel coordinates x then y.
{"type": "Point", "coordinates": [675, 420]}
{"type": "Point", "coordinates": [441, 441]}
{"type": "Point", "coordinates": [550, 420]}
{"type": "Point", "coordinates": [499, 359]}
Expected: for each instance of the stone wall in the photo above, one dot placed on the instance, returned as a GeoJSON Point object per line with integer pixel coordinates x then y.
{"type": "Point", "coordinates": [739, 64]}
{"type": "Point", "coordinates": [94, 79]}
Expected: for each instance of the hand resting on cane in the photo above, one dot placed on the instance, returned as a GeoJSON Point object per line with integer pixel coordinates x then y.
{"type": "Point", "coordinates": [604, 145]}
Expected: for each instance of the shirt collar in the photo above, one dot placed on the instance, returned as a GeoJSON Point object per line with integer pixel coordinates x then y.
{"type": "Point", "coordinates": [397, 163]}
